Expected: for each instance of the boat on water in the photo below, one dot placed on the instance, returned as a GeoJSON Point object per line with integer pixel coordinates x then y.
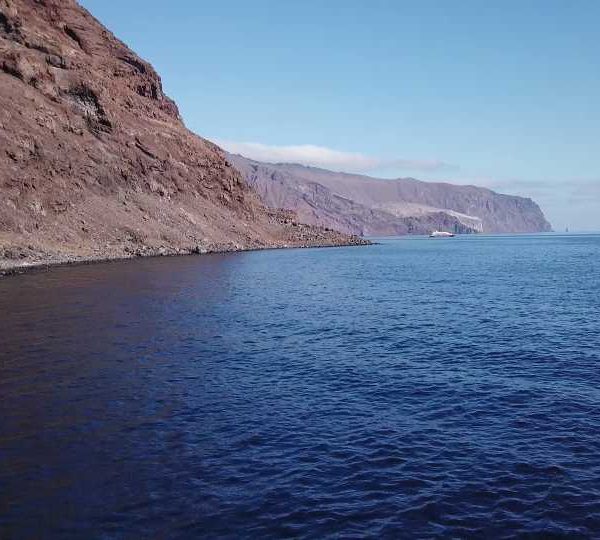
{"type": "Point", "coordinates": [441, 234]}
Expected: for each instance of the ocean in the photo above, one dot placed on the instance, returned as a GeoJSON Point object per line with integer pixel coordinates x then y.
{"type": "Point", "coordinates": [417, 388]}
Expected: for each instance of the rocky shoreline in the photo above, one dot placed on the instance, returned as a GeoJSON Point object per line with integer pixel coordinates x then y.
{"type": "Point", "coordinates": [16, 260]}
{"type": "Point", "coordinates": [8, 268]}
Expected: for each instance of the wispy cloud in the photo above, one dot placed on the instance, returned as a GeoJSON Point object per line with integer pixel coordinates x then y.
{"type": "Point", "coordinates": [328, 158]}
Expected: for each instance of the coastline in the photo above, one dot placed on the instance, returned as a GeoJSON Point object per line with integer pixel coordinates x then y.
{"type": "Point", "coordinates": [10, 267]}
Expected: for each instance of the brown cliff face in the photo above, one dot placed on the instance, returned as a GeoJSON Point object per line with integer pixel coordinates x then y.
{"type": "Point", "coordinates": [379, 207]}
{"type": "Point", "coordinates": [95, 161]}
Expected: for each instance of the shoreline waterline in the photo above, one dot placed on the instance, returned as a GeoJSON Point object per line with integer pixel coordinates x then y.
{"type": "Point", "coordinates": [28, 268]}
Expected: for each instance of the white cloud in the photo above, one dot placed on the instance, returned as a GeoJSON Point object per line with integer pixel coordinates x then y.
{"type": "Point", "coordinates": [320, 156]}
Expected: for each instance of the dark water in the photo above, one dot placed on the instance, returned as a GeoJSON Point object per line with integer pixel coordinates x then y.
{"type": "Point", "coordinates": [419, 388]}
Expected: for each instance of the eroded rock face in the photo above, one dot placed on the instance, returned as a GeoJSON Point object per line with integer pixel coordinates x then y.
{"type": "Point", "coordinates": [95, 161]}
{"type": "Point", "coordinates": [371, 206]}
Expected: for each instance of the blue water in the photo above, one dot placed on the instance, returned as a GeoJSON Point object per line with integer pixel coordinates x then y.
{"type": "Point", "coordinates": [417, 388]}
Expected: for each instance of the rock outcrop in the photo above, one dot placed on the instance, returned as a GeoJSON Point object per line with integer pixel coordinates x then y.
{"type": "Point", "coordinates": [377, 207]}
{"type": "Point", "coordinates": [95, 161]}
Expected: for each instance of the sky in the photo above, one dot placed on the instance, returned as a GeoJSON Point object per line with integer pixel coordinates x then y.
{"type": "Point", "coordinates": [503, 94]}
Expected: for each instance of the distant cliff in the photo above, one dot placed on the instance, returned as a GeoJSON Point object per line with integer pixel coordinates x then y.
{"type": "Point", "coordinates": [95, 161]}
{"type": "Point", "coordinates": [371, 206]}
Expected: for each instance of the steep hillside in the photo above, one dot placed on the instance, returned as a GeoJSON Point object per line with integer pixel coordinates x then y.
{"type": "Point", "coordinates": [281, 186]}
{"type": "Point", "coordinates": [371, 206]}
{"type": "Point", "coordinates": [95, 161]}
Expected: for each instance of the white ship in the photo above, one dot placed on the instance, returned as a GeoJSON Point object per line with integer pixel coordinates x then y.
{"type": "Point", "coordinates": [441, 234]}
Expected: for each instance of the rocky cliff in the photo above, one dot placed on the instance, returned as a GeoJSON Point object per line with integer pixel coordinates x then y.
{"type": "Point", "coordinates": [95, 161]}
{"type": "Point", "coordinates": [370, 206]}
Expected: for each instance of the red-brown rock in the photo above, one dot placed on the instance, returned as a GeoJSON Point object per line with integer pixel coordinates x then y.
{"type": "Point", "coordinates": [95, 161]}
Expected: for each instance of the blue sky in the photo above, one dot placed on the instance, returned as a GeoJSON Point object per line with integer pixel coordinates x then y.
{"type": "Point", "coordinates": [503, 94]}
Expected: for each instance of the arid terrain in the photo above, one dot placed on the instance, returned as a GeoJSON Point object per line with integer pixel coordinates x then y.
{"type": "Point", "coordinates": [96, 163]}
{"type": "Point", "coordinates": [364, 205]}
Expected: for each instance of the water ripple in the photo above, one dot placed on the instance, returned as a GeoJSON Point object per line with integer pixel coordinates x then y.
{"type": "Point", "coordinates": [411, 389]}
